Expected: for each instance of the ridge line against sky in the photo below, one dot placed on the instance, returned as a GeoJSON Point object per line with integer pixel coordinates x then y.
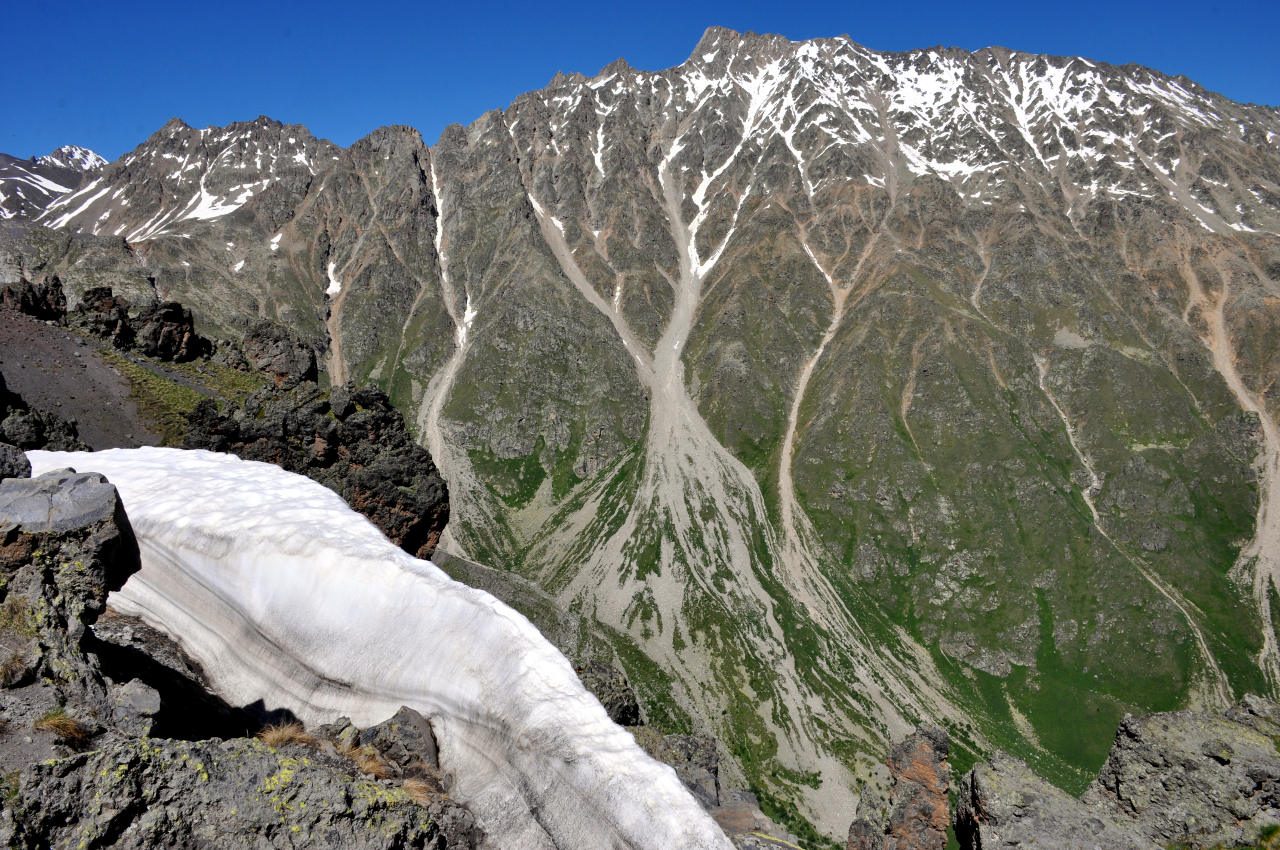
{"type": "Point", "coordinates": [106, 76]}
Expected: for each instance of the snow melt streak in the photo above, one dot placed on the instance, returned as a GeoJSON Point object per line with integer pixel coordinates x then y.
{"type": "Point", "coordinates": [284, 594]}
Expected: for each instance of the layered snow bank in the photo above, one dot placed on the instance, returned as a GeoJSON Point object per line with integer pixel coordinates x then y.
{"type": "Point", "coordinates": [286, 595]}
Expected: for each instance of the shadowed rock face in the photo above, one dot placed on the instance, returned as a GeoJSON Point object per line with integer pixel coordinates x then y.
{"type": "Point", "coordinates": [915, 815]}
{"type": "Point", "coordinates": [27, 427]}
{"type": "Point", "coordinates": [931, 362]}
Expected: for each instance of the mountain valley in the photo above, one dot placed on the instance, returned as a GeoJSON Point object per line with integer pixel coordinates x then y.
{"type": "Point", "coordinates": [844, 390]}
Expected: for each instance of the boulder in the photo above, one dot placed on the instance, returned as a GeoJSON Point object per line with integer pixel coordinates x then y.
{"type": "Point", "coordinates": [167, 331]}
{"type": "Point", "coordinates": [405, 741]}
{"type": "Point", "coordinates": [915, 816]}
{"type": "Point", "coordinates": [65, 543]}
{"type": "Point", "coordinates": [163, 330]}
{"type": "Point", "coordinates": [104, 314]}
{"type": "Point", "coordinates": [25, 427]}
{"type": "Point", "coordinates": [275, 351]}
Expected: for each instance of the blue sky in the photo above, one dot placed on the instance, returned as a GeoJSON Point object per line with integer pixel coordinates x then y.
{"type": "Point", "coordinates": [107, 75]}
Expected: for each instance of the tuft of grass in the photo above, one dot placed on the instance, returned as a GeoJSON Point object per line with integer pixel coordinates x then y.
{"type": "Point", "coordinates": [15, 616]}
{"type": "Point", "coordinates": [424, 791]}
{"type": "Point", "coordinates": [367, 760]}
{"type": "Point", "coordinates": [279, 734]}
{"type": "Point", "coordinates": [12, 669]}
{"type": "Point", "coordinates": [63, 726]}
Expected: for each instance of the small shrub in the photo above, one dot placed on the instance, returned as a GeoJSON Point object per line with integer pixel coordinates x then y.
{"type": "Point", "coordinates": [280, 734]}
{"type": "Point", "coordinates": [63, 726]}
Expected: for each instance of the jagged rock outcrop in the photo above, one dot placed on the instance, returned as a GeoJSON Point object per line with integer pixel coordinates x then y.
{"type": "Point", "coordinates": [44, 300]}
{"type": "Point", "coordinates": [1193, 777]}
{"type": "Point", "coordinates": [610, 686]}
{"type": "Point", "coordinates": [349, 439]}
{"type": "Point", "coordinates": [277, 352]}
{"type": "Point", "coordinates": [167, 331]}
{"type": "Point", "coordinates": [29, 427]}
{"type": "Point", "coordinates": [104, 314]}
{"type": "Point", "coordinates": [164, 330]}
{"type": "Point", "coordinates": [1002, 804]}
{"type": "Point", "coordinates": [1177, 778]}
{"type": "Point", "coordinates": [159, 794]}
{"type": "Point", "coordinates": [694, 758]}
{"type": "Point", "coordinates": [915, 815]}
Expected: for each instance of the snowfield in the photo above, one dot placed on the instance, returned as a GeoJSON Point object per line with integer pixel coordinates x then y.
{"type": "Point", "coordinates": [286, 595]}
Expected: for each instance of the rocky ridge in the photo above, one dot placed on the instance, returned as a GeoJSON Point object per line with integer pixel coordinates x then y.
{"type": "Point", "coordinates": [1186, 778]}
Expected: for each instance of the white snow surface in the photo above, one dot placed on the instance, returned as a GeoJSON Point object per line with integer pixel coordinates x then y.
{"type": "Point", "coordinates": [284, 594]}
{"type": "Point", "coordinates": [335, 285]}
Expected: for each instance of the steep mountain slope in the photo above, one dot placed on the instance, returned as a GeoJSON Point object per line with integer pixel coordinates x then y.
{"type": "Point", "coordinates": [854, 387]}
{"type": "Point", "coordinates": [28, 186]}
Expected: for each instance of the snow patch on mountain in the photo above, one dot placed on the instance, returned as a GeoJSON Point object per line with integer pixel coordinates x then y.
{"type": "Point", "coordinates": [285, 595]}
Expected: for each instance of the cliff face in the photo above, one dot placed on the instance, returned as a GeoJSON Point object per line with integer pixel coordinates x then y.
{"type": "Point", "coordinates": [1186, 778]}
{"type": "Point", "coordinates": [851, 387]}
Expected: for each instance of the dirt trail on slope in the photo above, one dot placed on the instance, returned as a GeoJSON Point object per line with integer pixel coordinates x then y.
{"type": "Point", "coordinates": [62, 372]}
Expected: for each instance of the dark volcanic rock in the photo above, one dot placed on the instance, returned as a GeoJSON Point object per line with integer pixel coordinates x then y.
{"type": "Point", "coordinates": [406, 742]}
{"type": "Point", "coordinates": [351, 440]}
{"type": "Point", "coordinates": [41, 300]}
{"type": "Point", "coordinates": [277, 352]}
{"type": "Point", "coordinates": [167, 332]}
{"type": "Point", "coordinates": [104, 314]}
{"type": "Point", "coordinates": [164, 330]}
{"type": "Point", "coordinates": [915, 815]}
{"type": "Point", "coordinates": [694, 757]}
{"type": "Point", "coordinates": [611, 687]}
{"type": "Point", "coordinates": [221, 794]}
{"type": "Point", "coordinates": [28, 427]}
{"type": "Point", "coordinates": [13, 462]}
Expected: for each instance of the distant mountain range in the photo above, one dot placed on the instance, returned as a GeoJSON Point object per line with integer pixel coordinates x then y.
{"type": "Point", "coordinates": [853, 388]}
{"type": "Point", "coordinates": [28, 186]}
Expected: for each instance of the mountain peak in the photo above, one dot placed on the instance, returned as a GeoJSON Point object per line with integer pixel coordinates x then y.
{"type": "Point", "coordinates": [73, 157]}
